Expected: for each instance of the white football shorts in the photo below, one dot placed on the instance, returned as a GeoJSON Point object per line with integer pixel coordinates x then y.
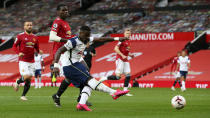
{"type": "Point", "coordinates": [122, 67]}
{"type": "Point", "coordinates": [26, 68]}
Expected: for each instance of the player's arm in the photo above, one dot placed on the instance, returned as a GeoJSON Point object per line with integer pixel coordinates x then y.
{"type": "Point", "coordinates": [37, 46]}
{"type": "Point", "coordinates": [131, 55]}
{"type": "Point", "coordinates": [189, 65]}
{"type": "Point", "coordinates": [117, 50]}
{"type": "Point", "coordinates": [106, 39]}
{"type": "Point", "coordinates": [16, 45]}
{"type": "Point", "coordinates": [56, 38]}
{"type": "Point", "coordinates": [42, 62]}
{"type": "Point", "coordinates": [177, 68]}
{"type": "Point", "coordinates": [56, 59]}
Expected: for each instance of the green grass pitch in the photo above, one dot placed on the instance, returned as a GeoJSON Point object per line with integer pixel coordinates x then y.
{"type": "Point", "coordinates": [146, 103]}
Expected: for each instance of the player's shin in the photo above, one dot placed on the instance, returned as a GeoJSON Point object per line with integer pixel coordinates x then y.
{"type": "Point", "coordinates": [86, 92]}
{"type": "Point", "coordinates": [96, 85]}
{"type": "Point", "coordinates": [64, 85]}
{"type": "Point", "coordinates": [26, 87]}
{"type": "Point", "coordinates": [36, 83]}
{"type": "Point", "coordinates": [40, 82]}
{"type": "Point", "coordinates": [126, 82]}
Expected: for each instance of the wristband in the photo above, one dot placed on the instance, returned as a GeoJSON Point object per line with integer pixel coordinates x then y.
{"type": "Point", "coordinates": [116, 38]}
{"type": "Point", "coordinates": [56, 65]}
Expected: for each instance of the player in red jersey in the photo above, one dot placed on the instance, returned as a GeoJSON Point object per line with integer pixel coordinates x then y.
{"type": "Point", "coordinates": [59, 34]}
{"type": "Point", "coordinates": [122, 65]}
{"type": "Point", "coordinates": [24, 46]}
{"type": "Point", "coordinates": [173, 71]}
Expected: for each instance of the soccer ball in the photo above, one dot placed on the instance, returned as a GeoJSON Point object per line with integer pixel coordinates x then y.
{"type": "Point", "coordinates": [178, 102]}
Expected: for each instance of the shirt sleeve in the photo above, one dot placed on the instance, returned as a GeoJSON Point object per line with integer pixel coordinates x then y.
{"type": "Point", "coordinates": [16, 44]}
{"type": "Point", "coordinates": [68, 45]}
{"type": "Point", "coordinates": [55, 26]}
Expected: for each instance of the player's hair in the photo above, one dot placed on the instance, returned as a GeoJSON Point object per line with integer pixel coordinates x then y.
{"type": "Point", "coordinates": [85, 28]}
{"type": "Point", "coordinates": [59, 6]}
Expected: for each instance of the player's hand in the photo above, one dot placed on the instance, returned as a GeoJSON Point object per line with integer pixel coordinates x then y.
{"type": "Point", "coordinates": [132, 56]}
{"type": "Point", "coordinates": [124, 57]}
{"type": "Point", "coordinates": [43, 68]}
{"type": "Point", "coordinates": [56, 71]}
{"type": "Point", "coordinates": [123, 39]}
{"type": "Point", "coordinates": [20, 54]}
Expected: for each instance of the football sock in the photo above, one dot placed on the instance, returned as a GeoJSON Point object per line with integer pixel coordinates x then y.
{"type": "Point", "coordinates": [113, 77]}
{"type": "Point", "coordinates": [21, 80]}
{"type": "Point", "coordinates": [64, 85]}
{"type": "Point", "coordinates": [26, 87]}
{"type": "Point", "coordinates": [96, 85]}
{"type": "Point", "coordinates": [86, 92]}
{"type": "Point", "coordinates": [80, 92]}
{"type": "Point", "coordinates": [127, 80]}
{"type": "Point", "coordinates": [183, 84]}
{"type": "Point", "coordinates": [175, 82]}
{"type": "Point", "coordinates": [36, 82]}
{"type": "Point", "coordinates": [179, 83]}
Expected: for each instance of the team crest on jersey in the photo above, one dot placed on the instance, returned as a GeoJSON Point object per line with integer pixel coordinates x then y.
{"type": "Point", "coordinates": [29, 43]}
{"type": "Point", "coordinates": [55, 25]}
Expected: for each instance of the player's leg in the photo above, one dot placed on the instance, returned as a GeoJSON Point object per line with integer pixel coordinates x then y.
{"type": "Point", "coordinates": [40, 78]}
{"type": "Point", "coordinates": [126, 69]}
{"type": "Point", "coordinates": [27, 78]}
{"type": "Point", "coordinates": [118, 71]}
{"type": "Point", "coordinates": [85, 94]}
{"type": "Point", "coordinates": [79, 97]}
{"type": "Point", "coordinates": [183, 76]}
{"type": "Point", "coordinates": [36, 80]}
{"type": "Point", "coordinates": [56, 97]}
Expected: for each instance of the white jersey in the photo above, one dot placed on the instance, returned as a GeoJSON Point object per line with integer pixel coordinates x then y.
{"type": "Point", "coordinates": [183, 62]}
{"type": "Point", "coordinates": [38, 59]}
{"type": "Point", "coordinates": [74, 52]}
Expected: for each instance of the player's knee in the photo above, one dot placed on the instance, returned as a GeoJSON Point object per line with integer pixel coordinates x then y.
{"type": "Point", "coordinates": [93, 83]}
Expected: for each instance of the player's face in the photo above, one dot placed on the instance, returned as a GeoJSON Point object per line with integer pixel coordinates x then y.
{"type": "Point", "coordinates": [127, 33]}
{"type": "Point", "coordinates": [84, 35]}
{"type": "Point", "coordinates": [28, 27]}
{"type": "Point", "coordinates": [63, 12]}
{"type": "Point", "coordinates": [183, 53]}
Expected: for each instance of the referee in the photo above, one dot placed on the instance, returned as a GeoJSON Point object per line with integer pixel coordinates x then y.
{"type": "Point", "coordinates": [88, 53]}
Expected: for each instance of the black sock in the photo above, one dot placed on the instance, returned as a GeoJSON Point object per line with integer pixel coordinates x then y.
{"type": "Point", "coordinates": [113, 77]}
{"type": "Point", "coordinates": [174, 82]}
{"type": "Point", "coordinates": [127, 80]}
{"type": "Point", "coordinates": [179, 83]}
{"type": "Point", "coordinates": [26, 87]}
{"type": "Point", "coordinates": [64, 85]}
{"type": "Point", "coordinates": [21, 80]}
{"type": "Point", "coordinates": [80, 91]}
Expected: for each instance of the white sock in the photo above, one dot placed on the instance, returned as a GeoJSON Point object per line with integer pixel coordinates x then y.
{"type": "Point", "coordinates": [93, 83]}
{"type": "Point", "coordinates": [86, 92]}
{"type": "Point", "coordinates": [40, 82]}
{"type": "Point", "coordinates": [125, 88]}
{"type": "Point", "coordinates": [36, 83]}
{"type": "Point", "coordinates": [183, 84]}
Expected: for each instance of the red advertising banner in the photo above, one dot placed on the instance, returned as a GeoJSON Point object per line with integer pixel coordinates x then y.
{"type": "Point", "coordinates": [168, 36]}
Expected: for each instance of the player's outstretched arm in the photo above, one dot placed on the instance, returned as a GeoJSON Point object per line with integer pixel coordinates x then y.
{"type": "Point", "coordinates": [56, 59]}
{"type": "Point", "coordinates": [106, 39]}
{"type": "Point", "coordinates": [54, 37]}
{"type": "Point", "coordinates": [117, 50]}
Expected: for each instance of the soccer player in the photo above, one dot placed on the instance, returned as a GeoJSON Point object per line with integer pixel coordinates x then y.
{"type": "Point", "coordinates": [39, 67]}
{"type": "Point", "coordinates": [183, 66]}
{"type": "Point", "coordinates": [25, 44]}
{"type": "Point", "coordinates": [122, 65]}
{"type": "Point", "coordinates": [173, 71]}
{"type": "Point", "coordinates": [76, 72]}
{"type": "Point", "coordinates": [88, 53]}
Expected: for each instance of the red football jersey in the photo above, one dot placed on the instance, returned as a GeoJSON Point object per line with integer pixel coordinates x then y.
{"type": "Point", "coordinates": [26, 43]}
{"type": "Point", "coordinates": [124, 48]}
{"type": "Point", "coordinates": [63, 30]}
{"type": "Point", "coordinates": [174, 64]}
